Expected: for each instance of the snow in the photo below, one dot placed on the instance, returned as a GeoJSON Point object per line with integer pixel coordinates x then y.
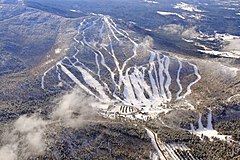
{"type": "Point", "coordinates": [148, 29]}
{"type": "Point", "coordinates": [233, 54]}
{"type": "Point", "coordinates": [153, 137]}
{"type": "Point", "coordinates": [226, 37]}
{"type": "Point", "coordinates": [192, 128]}
{"type": "Point", "coordinates": [154, 156]}
{"type": "Point", "coordinates": [209, 131]}
{"type": "Point", "coordinates": [58, 50]}
{"type": "Point", "coordinates": [209, 121]}
{"type": "Point", "coordinates": [171, 152]}
{"type": "Point", "coordinates": [160, 74]}
{"type": "Point", "coordinates": [72, 77]}
{"type": "Point", "coordinates": [196, 16]}
{"type": "Point", "coordinates": [131, 22]}
{"type": "Point", "coordinates": [231, 50]}
{"type": "Point", "coordinates": [137, 88]}
{"type": "Point", "coordinates": [212, 134]}
{"type": "Point", "coordinates": [145, 87]}
{"type": "Point", "coordinates": [178, 80]}
{"type": "Point", "coordinates": [142, 82]}
{"type": "Point", "coordinates": [189, 91]}
{"type": "Point", "coordinates": [73, 10]}
{"type": "Point", "coordinates": [168, 151]}
{"type": "Point", "coordinates": [200, 125]}
{"type": "Point", "coordinates": [186, 7]}
{"type": "Point", "coordinates": [170, 14]}
{"type": "Point", "coordinates": [128, 90]}
{"type": "Point", "coordinates": [169, 79]}
{"type": "Point", "coordinates": [93, 83]}
{"type": "Point", "coordinates": [43, 77]}
{"type": "Point", "coordinates": [151, 2]}
{"type": "Point", "coordinates": [152, 80]}
{"type": "Point", "coordinates": [231, 97]}
{"type": "Point", "coordinates": [238, 14]}
{"type": "Point", "coordinates": [179, 146]}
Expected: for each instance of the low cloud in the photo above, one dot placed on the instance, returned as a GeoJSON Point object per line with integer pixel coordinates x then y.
{"type": "Point", "coordinates": [148, 42]}
{"type": "Point", "coordinates": [26, 138]}
{"type": "Point", "coordinates": [74, 108]}
{"type": "Point", "coordinates": [145, 45]}
{"type": "Point", "coordinates": [32, 129]}
{"type": "Point", "coordinates": [27, 133]}
{"type": "Point", "coordinates": [173, 28]}
{"type": "Point", "coordinates": [9, 152]}
{"type": "Point", "coordinates": [190, 33]}
{"type": "Point", "coordinates": [187, 33]}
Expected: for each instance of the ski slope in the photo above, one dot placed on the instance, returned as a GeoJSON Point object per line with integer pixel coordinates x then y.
{"type": "Point", "coordinates": [106, 65]}
{"type": "Point", "coordinates": [173, 151]}
{"type": "Point", "coordinates": [208, 131]}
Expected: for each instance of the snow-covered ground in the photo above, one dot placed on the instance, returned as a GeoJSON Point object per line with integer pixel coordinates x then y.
{"type": "Point", "coordinates": [187, 7]}
{"type": "Point", "coordinates": [145, 88]}
{"type": "Point", "coordinates": [168, 151]}
{"type": "Point", "coordinates": [148, 29]}
{"type": "Point", "coordinates": [208, 131]}
{"type": "Point", "coordinates": [212, 133]}
{"type": "Point", "coordinates": [58, 50]}
{"type": "Point", "coordinates": [231, 54]}
{"type": "Point", "coordinates": [196, 16]}
{"type": "Point", "coordinates": [230, 50]}
{"type": "Point", "coordinates": [73, 10]}
{"type": "Point", "coordinates": [170, 14]}
{"type": "Point", "coordinates": [232, 97]}
{"type": "Point", "coordinates": [151, 2]}
{"type": "Point", "coordinates": [226, 37]}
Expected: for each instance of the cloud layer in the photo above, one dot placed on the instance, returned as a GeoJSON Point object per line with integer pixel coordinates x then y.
{"type": "Point", "coordinates": [26, 136]}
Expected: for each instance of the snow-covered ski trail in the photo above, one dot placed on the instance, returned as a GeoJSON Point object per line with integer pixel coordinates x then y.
{"type": "Point", "coordinates": [178, 81]}
{"type": "Point", "coordinates": [189, 91]}
{"type": "Point", "coordinates": [153, 136]}
{"type": "Point", "coordinates": [113, 77]}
